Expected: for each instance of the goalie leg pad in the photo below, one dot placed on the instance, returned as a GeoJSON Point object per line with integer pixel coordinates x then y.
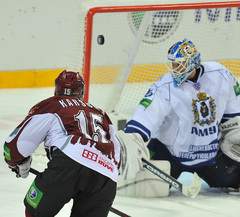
{"type": "Point", "coordinates": [133, 149]}
{"type": "Point", "coordinates": [146, 184]}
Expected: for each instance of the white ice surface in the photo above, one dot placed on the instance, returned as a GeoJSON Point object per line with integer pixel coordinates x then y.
{"type": "Point", "coordinates": [15, 104]}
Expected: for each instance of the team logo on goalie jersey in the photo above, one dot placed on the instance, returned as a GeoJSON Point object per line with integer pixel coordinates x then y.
{"type": "Point", "coordinates": [204, 109]}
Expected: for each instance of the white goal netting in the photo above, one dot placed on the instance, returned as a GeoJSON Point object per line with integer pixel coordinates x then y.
{"type": "Point", "coordinates": [122, 45]}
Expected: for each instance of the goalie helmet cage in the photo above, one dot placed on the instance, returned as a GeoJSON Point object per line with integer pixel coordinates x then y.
{"type": "Point", "coordinates": [122, 44]}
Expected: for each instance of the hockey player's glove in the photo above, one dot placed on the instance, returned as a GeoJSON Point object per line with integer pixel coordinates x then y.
{"type": "Point", "coordinates": [22, 169]}
{"type": "Point", "coordinates": [133, 149]}
{"type": "Point", "coordinates": [230, 144]}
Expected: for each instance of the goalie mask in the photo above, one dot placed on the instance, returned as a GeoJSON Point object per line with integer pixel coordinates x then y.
{"type": "Point", "coordinates": [70, 83]}
{"type": "Point", "coordinates": [183, 58]}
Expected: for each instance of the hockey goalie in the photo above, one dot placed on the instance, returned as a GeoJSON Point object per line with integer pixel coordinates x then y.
{"type": "Point", "coordinates": [190, 117]}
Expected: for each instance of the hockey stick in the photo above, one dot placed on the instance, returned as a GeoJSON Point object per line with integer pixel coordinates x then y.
{"type": "Point", "coordinates": [113, 210]}
{"type": "Point", "coordinates": [117, 212]}
{"type": "Point", "coordinates": [189, 191]}
{"type": "Point", "coordinates": [33, 171]}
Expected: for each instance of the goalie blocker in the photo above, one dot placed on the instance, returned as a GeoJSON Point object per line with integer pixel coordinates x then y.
{"type": "Point", "coordinates": [134, 180]}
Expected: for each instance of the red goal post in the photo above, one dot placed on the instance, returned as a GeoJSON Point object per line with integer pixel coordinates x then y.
{"type": "Point", "coordinates": [101, 53]}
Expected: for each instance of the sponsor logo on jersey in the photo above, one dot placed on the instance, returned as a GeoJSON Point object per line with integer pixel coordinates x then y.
{"type": "Point", "coordinates": [236, 89]}
{"type": "Point", "coordinates": [204, 109]}
{"type": "Point", "coordinates": [208, 151]}
{"type": "Point", "coordinates": [32, 193]}
{"type": "Point", "coordinates": [90, 155]}
{"type": "Point", "coordinates": [105, 163]}
{"type": "Point", "coordinates": [33, 196]}
{"type": "Point", "coordinates": [7, 153]}
{"type": "Point", "coordinates": [98, 159]}
{"type": "Point", "coordinates": [195, 156]}
{"type": "Point", "coordinates": [145, 102]}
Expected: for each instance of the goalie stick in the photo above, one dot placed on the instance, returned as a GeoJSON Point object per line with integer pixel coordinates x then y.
{"type": "Point", "coordinates": [189, 191]}
{"type": "Point", "coordinates": [113, 210]}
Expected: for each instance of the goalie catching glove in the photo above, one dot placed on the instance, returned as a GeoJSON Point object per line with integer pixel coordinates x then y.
{"type": "Point", "coordinates": [230, 145]}
{"type": "Point", "coordinates": [133, 150]}
{"type": "Point", "coordinates": [22, 169]}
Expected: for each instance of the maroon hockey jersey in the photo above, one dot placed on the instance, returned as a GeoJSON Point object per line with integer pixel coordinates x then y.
{"type": "Point", "coordinates": [80, 130]}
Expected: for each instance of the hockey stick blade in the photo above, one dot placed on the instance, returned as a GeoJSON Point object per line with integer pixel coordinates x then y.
{"type": "Point", "coordinates": [113, 210]}
{"type": "Point", "coordinates": [189, 191]}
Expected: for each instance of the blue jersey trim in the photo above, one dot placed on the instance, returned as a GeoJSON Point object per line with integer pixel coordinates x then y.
{"type": "Point", "coordinates": [231, 115]}
{"type": "Point", "coordinates": [135, 127]}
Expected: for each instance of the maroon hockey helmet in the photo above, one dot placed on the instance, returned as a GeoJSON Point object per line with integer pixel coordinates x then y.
{"type": "Point", "coordinates": [70, 83]}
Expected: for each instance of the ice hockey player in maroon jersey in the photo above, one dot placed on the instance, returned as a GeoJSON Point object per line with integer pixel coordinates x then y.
{"type": "Point", "coordinates": [82, 148]}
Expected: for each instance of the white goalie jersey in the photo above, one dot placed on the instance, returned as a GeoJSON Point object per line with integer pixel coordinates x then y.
{"type": "Point", "coordinates": [186, 118]}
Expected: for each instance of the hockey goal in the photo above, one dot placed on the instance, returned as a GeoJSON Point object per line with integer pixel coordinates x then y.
{"type": "Point", "coordinates": [122, 44]}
